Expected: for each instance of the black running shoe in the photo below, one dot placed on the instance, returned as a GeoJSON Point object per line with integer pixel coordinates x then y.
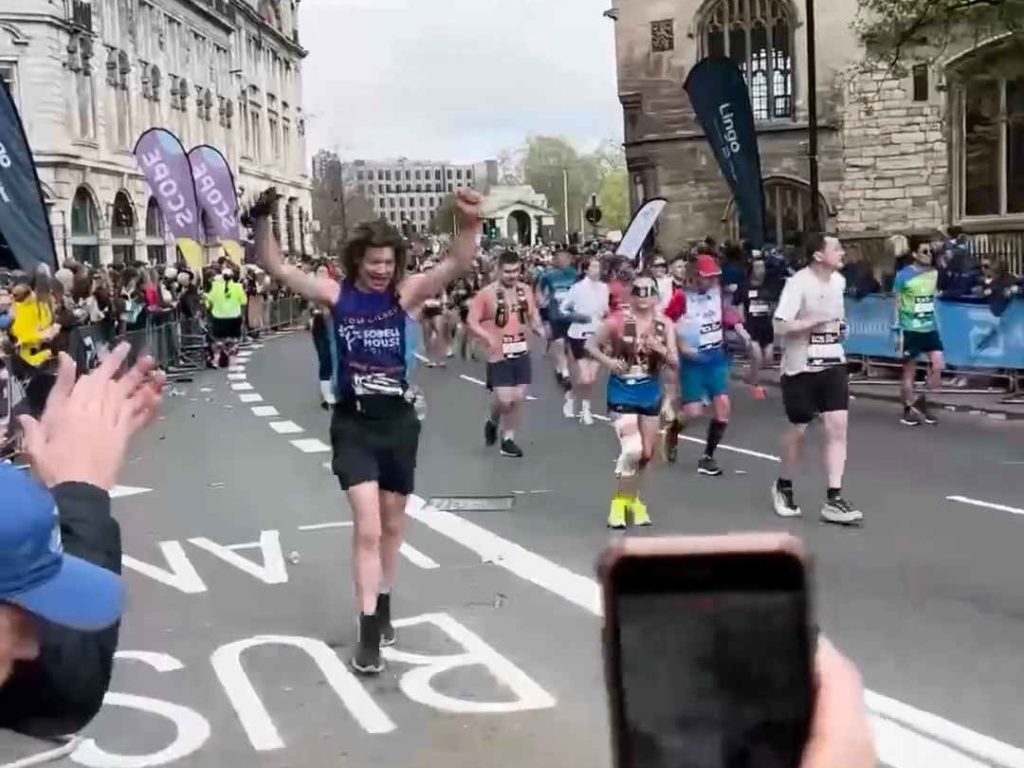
{"type": "Point", "coordinates": [708, 466]}
{"type": "Point", "coordinates": [490, 433]}
{"type": "Point", "coordinates": [911, 418]}
{"type": "Point", "coordinates": [367, 660]}
{"type": "Point", "coordinates": [672, 432]}
{"type": "Point", "coordinates": [387, 629]}
{"type": "Point", "coordinates": [923, 408]}
{"type": "Point", "coordinates": [510, 449]}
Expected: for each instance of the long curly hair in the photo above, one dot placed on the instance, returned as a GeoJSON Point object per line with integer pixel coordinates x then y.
{"type": "Point", "coordinates": [374, 234]}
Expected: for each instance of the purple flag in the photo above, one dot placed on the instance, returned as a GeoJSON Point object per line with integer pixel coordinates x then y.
{"type": "Point", "coordinates": [215, 188]}
{"type": "Point", "coordinates": [165, 165]}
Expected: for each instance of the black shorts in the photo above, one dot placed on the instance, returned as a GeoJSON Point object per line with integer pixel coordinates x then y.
{"type": "Point", "coordinates": [578, 347]}
{"type": "Point", "coordinates": [432, 312]}
{"type": "Point", "coordinates": [621, 409]}
{"type": "Point", "coordinates": [545, 314]}
{"type": "Point", "coordinates": [917, 343]}
{"type": "Point", "coordinates": [761, 330]}
{"type": "Point", "coordinates": [807, 395]}
{"type": "Point", "coordinates": [560, 329]}
{"type": "Point", "coordinates": [513, 372]}
{"type": "Point", "coordinates": [226, 328]}
{"type": "Point", "coordinates": [376, 449]}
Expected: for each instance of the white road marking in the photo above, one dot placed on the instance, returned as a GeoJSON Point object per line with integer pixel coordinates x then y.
{"type": "Point", "coordinates": [121, 491]}
{"type": "Point", "coordinates": [471, 380]}
{"type": "Point", "coordinates": [326, 526]}
{"type": "Point", "coordinates": [251, 398]}
{"type": "Point", "coordinates": [421, 358]}
{"type": "Point", "coordinates": [734, 449]}
{"type": "Point", "coordinates": [237, 376]}
{"type": "Point", "coordinates": [601, 417]}
{"type": "Point", "coordinates": [264, 410]}
{"type": "Point", "coordinates": [417, 558]}
{"type": "Point", "coordinates": [986, 504]}
{"type": "Point", "coordinates": [908, 737]}
{"type": "Point", "coordinates": [242, 386]}
{"type": "Point", "coordinates": [206, 389]}
{"type": "Point", "coordinates": [256, 346]}
{"type": "Point", "coordinates": [243, 354]}
{"type": "Point", "coordinates": [311, 445]}
{"type": "Point", "coordinates": [286, 427]}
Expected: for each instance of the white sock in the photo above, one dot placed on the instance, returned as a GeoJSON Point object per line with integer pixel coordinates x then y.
{"type": "Point", "coordinates": [509, 435]}
{"type": "Point", "coordinates": [586, 406]}
{"type": "Point", "coordinates": [565, 373]}
{"type": "Point", "coordinates": [568, 397]}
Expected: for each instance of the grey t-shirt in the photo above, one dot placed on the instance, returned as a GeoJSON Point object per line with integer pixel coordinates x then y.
{"type": "Point", "coordinates": [806, 295]}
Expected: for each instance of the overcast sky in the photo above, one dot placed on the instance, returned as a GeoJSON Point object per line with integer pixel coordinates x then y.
{"type": "Point", "coordinates": [456, 80]}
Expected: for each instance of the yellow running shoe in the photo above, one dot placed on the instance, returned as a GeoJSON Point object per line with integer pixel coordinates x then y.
{"type": "Point", "coordinates": [639, 510]}
{"type": "Point", "coordinates": [617, 515]}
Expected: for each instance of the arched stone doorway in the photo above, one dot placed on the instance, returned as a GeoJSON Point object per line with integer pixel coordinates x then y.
{"type": "Point", "coordinates": [122, 228]}
{"type": "Point", "coordinates": [156, 244]}
{"type": "Point", "coordinates": [85, 240]}
{"type": "Point", "coordinates": [520, 227]}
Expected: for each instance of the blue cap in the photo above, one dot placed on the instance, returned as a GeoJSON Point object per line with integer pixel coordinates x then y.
{"type": "Point", "coordinates": [36, 575]}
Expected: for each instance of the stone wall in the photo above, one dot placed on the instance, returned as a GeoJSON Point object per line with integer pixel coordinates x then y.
{"type": "Point", "coordinates": [895, 156]}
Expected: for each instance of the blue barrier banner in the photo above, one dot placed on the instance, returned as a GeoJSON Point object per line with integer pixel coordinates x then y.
{"type": "Point", "coordinates": [972, 335]}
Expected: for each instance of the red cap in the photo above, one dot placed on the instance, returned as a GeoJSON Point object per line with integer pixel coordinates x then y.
{"type": "Point", "coordinates": [707, 266]}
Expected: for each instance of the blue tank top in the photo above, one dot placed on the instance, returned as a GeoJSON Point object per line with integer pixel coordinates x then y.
{"type": "Point", "coordinates": [371, 340]}
{"type": "Point", "coordinates": [641, 386]}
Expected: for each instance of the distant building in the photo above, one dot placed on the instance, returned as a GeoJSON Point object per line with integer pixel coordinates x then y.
{"type": "Point", "coordinates": [90, 77]}
{"type": "Point", "coordinates": [518, 213]}
{"type": "Point", "coordinates": [408, 193]}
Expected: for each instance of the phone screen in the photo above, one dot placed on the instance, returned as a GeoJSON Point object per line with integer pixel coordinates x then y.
{"type": "Point", "coordinates": [713, 662]}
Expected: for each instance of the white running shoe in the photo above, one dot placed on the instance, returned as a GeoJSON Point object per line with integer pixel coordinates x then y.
{"type": "Point", "coordinates": [569, 409]}
{"type": "Point", "coordinates": [586, 418]}
{"type": "Point", "coordinates": [785, 505]}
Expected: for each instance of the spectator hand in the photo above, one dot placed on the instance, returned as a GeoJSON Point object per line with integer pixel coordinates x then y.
{"type": "Point", "coordinates": [84, 432]}
{"type": "Point", "coordinates": [840, 732]}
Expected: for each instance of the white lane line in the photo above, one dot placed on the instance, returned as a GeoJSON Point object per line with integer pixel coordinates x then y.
{"type": "Point", "coordinates": [417, 558]}
{"type": "Point", "coordinates": [326, 526]}
{"type": "Point", "coordinates": [734, 449]}
{"type": "Point", "coordinates": [239, 368]}
{"type": "Point", "coordinates": [471, 380]}
{"type": "Point", "coordinates": [600, 417]}
{"type": "Point", "coordinates": [244, 355]}
{"type": "Point", "coordinates": [122, 491]}
{"type": "Point", "coordinates": [311, 445]}
{"type": "Point", "coordinates": [421, 358]}
{"type": "Point", "coordinates": [906, 734]}
{"type": "Point", "coordinates": [264, 410]}
{"type": "Point", "coordinates": [286, 427]}
{"type": "Point", "coordinates": [242, 386]}
{"type": "Point", "coordinates": [251, 398]}
{"type": "Point", "coordinates": [986, 504]}
{"type": "Point", "coordinates": [236, 376]}
{"type": "Point", "coordinates": [256, 346]}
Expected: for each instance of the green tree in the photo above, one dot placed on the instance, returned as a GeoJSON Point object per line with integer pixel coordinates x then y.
{"type": "Point", "coordinates": [614, 199]}
{"type": "Point", "coordinates": [894, 30]}
{"type": "Point", "coordinates": [443, 220]}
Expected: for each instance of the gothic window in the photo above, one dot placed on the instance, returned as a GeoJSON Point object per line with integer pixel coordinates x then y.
{"type": "Point", "coordinates": [787, 211]}
{"type": "Point", "coordinates": [156, 247]}
{"type": "Point", "coordinates": [663, 36]}
{"type": "Point", "coordinates": [84, 228]}
{"type": "Point", "coordinates": [758, 36]}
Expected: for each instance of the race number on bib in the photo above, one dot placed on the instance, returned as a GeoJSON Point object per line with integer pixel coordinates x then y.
{"type": "Point", "coordinates": [710, 336]}
{"type": "Point", "coordinates": [513, 346]}
{"type": "Point", "coordinates": [376, 385]}
{"type": "Point", "coordinates": [759, 308]}
{"type": "Point", "coordinates": [924, 307]}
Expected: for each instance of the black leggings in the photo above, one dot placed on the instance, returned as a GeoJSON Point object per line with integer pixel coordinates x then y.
{"type": "Point", "coordinates": [323, 354]}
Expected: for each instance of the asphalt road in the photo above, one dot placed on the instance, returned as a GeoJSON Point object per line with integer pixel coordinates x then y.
{"type": "Point", "coordinates": [242, 617]}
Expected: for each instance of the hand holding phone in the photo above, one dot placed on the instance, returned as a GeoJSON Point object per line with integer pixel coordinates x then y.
{"type": "Point", "coordinates": [709, 649]}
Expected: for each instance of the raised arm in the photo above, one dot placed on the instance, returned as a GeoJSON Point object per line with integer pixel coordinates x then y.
{"type": "Point", "coordinates": [321, 290]}
{"type": "Point", "coordinates": [417, 289]}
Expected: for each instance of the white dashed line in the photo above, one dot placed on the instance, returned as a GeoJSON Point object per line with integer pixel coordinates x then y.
{"type": "Point", "coordinates": [471, 380]}
{"type": "Point", "coordinates": [251, 398]}
{"type": "Point", "coordinates": [236, 376]}
{"type": "Point", "coordinates": [421, 358]}
{"type": "Point", "coordinates": [121, 491]}
{"type": "Point", "coordinates": [286, 427]}
{"type": "Point", "coordinates": [311, 445]}
{"type": "Point", "coordinates": [326, 526]}
{"type": "Point", "coordinates": [417, 558]}
{"type": "Point", "coordinates": [242, 386]}
{"type": "Point", "coordinates": [601, 417]}
{"type": "Point", "coordinates": [264, 410]}
{"type": "Point", "coordinates": [734, 449]}
{"type": "Point", "coordinates": [986, 504]}
{"type": "Point", "coordinates": [239, 368]}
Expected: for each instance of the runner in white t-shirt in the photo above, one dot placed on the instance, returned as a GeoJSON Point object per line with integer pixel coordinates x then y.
{"type": "Point", "coordinates": [810, 319]}
{"type": "Point", "coordinates": [587, 305]}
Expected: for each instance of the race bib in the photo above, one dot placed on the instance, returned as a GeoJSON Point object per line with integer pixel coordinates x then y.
{"type": "Point", "coordinates": [514, 346]}
{"type": "Point", "coordinates": [759, 308]}
{"type": "Point", "coordinates": [710, 336]}
{"type": "Point", "coordinates": [377, 385]}
{"type": "Point", "coordinates": [924, 307]}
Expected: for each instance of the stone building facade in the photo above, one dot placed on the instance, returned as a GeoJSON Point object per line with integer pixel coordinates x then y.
{"type": "Point", "coordinates": [900, 152]}
{"type": "Point", "coordinates": [90, 77]}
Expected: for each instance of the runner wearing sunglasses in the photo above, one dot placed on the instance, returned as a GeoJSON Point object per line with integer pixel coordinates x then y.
{"type": "Point", "coordinates": [634, 344]}
{"type": "Point", "coordinates": [916, 287]}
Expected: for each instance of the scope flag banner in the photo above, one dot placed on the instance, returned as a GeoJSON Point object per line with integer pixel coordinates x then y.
{"type": "Point", "coordinates": [215, 188]}
{"type": "Point", "coordinates": [168, 172]}
{"type": "Point", "coordinates": [721, 102]}
{"type": "Point", "coordinates": [640, 227]}
{"type": "Point", "coordinates": [24, 223]}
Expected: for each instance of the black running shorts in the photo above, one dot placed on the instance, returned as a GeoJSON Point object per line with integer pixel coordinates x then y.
{"type": "Point", "coordinates": [578, 347]}
{"type": "Point", "coordinates": [807, 395]}
{"type": "Point", "coordinates": [226, 328]}
{"type": "Point", "coordinates": [761, 330]}
{"type": "Point", "coordinates": [632, 409]}
{"type": "Point", "coordinates": [560, 329]}
{"type": "Point", "coordinates": [917, 343]}
{"type": "Point", "coordinates": [513, 372]}
{"type": "Point", "coordinates": [381, 450]}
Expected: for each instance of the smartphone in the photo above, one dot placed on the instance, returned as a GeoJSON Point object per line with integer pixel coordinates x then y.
{"type": "Point", "coordinates": [709, 646]}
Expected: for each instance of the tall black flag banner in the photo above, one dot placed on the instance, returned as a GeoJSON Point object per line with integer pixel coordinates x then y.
{"type": "Point", "coordinates": [721, 103]}
{"type": "Point", "coordinates": [24, 225]}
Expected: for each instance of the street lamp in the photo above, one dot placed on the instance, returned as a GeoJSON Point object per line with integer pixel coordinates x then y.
{"type": "Point", "coordinates": [812, 119]}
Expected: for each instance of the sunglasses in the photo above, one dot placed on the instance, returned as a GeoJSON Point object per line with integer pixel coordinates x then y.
{"type": "Point", "coordinates": [644, 290]}
{"type": "Point", "coordinates": [661, 264]}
